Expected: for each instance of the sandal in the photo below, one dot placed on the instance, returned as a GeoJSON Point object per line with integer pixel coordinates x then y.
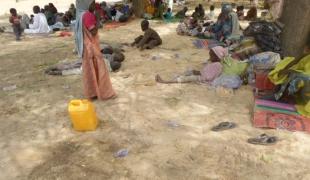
{"type": "Point", "coordinates": [224, 126]}
{"type": "Point", "coordinates": [263, 139]}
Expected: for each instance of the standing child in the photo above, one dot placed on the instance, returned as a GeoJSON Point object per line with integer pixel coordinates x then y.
{"type": "Point", "coordinates": [15, 20]}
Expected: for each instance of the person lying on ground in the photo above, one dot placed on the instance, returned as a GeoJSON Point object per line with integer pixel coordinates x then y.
{"type": "Point", "coordinates": [15, 20]}
{"type": "Point", "coordinates": [209, 72]}
{"type": "Point", "coordinates": [168, 14]}
{"type": "Point", "coordinates": [149, 40]}
{"type": "Point", "coordinates": [181, 14]}
{"type": "Point", "coordinates": [39, 24]}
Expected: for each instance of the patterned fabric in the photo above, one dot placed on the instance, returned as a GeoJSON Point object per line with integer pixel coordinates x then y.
{"type": "Point", "coordinates": [211, 71]}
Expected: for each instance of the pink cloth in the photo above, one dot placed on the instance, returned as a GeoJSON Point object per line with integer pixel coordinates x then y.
{"type": "Point", "coordinates": [211, 71]}
{"type": "Point", "coordinates": [220, 51]}
{"type": "Point", "coordinates": [89, 20]}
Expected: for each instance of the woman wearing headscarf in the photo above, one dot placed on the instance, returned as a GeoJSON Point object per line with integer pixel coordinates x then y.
{"type": "Point", "coordinates": [96, 79]}
{"type": "Point", "coordinates": [227, 25]}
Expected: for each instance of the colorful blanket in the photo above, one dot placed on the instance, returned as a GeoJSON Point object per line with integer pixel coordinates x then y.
{"type": "Point", "coordinates": [274, 115]}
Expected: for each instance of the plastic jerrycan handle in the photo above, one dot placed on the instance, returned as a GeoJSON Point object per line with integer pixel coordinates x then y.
{"type": "Point", "coordinates": [76, 102]}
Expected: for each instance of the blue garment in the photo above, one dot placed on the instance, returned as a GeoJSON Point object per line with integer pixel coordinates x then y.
{"type": "Point", "coordinates": [222, 29]}
{"type": "Point", "coordinates": [81, 7]}
{"type": "Point", "coordinates": [227, 81]}
{"type": "Point", "coordinates": [78, 31]}
{"type": "Point", "coordinates": [168, 15]}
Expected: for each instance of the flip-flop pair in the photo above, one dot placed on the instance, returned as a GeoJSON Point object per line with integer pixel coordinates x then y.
{"type": "Point", "coordinates": [262, 139]}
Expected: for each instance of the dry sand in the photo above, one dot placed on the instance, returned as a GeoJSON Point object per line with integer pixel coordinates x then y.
{"type": "Point", "coordinates": [37, 140]}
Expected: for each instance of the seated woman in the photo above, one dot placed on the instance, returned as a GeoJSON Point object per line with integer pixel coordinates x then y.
{"type": "Point", "coordinates": [227, 25]}
{"type": "Point", "coordinates": [210, 71]}
{"type": "Point", "coordinates": [39, 24]}
{"type": "Point", "coordinates": [293, 78]}
{"type": "Point", "coordinates": [149, 40]}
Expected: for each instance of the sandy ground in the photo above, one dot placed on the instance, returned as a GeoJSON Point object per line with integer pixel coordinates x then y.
{"type": "Point", "coordinates": [38, 142]}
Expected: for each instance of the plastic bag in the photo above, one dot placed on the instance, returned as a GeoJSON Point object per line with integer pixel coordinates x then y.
{"type": "Point", "coordinates": [265, 60]}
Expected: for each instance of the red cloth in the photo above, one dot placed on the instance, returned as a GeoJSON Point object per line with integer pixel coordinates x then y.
{"type": "Point", "coordinates": [273, 120]}
{"type": "Point", "coordinates": [89, 20]}
{"type": "Point", "coordinates": [262, 81]}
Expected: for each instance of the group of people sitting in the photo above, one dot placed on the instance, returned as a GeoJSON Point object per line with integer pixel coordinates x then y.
{"type": "Point", "coordinates": [227, 24]}
{"type": "Point", "coordinates": [42, 21]}
{"type": "Point", "coordinates": [47, 19]}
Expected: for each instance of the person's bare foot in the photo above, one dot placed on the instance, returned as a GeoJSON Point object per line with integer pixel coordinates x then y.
{"type": "Point", "coordinates": [93, 98]}
{"type": "Point", "coordinates": [159, 79]}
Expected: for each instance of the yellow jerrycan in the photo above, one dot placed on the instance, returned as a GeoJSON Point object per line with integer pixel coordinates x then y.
{"type": "Point", "coordinates": [83, 115]}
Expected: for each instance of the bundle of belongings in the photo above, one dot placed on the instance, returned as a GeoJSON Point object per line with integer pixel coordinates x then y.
{"type": "Point", "coordinates": [113, 58]}
{"type": "Point", "coordinates": [266, 34]}
{"type": "Point", "coordinates": [283, 94]}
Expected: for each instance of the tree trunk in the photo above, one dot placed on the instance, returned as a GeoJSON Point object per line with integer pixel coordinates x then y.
{"type": "Point", "coordinates": [138, 7]}
{"type": "Point", "coordinates": [295, 17]}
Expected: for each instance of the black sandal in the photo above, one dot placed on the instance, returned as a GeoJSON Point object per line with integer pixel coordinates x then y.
{"type": "Point", "coordinates": [263, 139]}
{"type": "Point", "coordinates": [224, 126]}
